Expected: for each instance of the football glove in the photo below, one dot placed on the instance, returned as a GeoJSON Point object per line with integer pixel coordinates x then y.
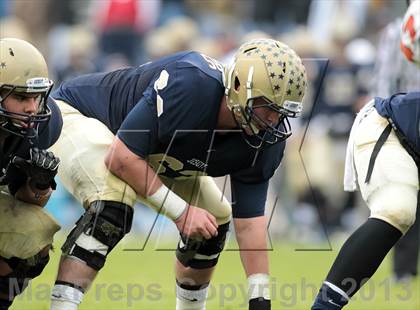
{"type": "Point", "coordinates": [41, 168]}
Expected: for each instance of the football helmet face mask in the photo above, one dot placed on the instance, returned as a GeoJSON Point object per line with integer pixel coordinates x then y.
{"type": "Point", "coordinates": [410, 35]}
{"type": "Point", "coordinates": [23, 71]}
{"type": "Point", "coordinates": [270, 73]}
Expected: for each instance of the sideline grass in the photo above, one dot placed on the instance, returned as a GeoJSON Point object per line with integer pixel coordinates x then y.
{"type": "Point", "coordinates": [144, 280]}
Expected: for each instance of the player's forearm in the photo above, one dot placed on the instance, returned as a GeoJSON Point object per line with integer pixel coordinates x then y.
{"type": "Point", "coordinates": [147, 184]}
{"type": "Point", "coordinates": [29, 194]}
{"type": "Point", "coordinates": [136, 172]}
{"type": "Point", "coordinates": [132, 169]}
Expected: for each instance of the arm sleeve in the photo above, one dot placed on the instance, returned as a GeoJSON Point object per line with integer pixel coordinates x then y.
{"type": "Point", "coordinates": [139, 130]}
{"type": "Point", "coordinates": [172, 104]}
{"type": "Point", "coordinates": [248, 200]}
{"type": "Point", "coordinates": [249, 186]}
{"type": "Point", "coordinates": [264, 167]}
{"type": "Point", "coordinates": [49, 132]}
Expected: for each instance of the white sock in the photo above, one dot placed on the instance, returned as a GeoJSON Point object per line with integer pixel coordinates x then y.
{"type": "Point", "coordinates": [259, 286]}
{"type": "Point", "coordinates": [64, 297]}
{"type": "Point", "coordinates": [191, 299]}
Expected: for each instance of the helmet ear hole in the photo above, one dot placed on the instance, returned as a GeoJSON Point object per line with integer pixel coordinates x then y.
{"type": "Point", "coordinates": [237, 83]}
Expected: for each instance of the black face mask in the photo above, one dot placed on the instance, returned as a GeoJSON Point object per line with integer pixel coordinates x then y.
{"type": "Point", "coordinates": [270, 134]}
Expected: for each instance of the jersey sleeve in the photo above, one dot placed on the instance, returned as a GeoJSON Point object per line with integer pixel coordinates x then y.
{"type": "Point", "coordinates": [266, 163]}
{"type": "Point", "coordinates": [49, 132]}
{"type": "Point", "coordinates": [248, 200]}
{"type": "Point", "coordinates": [249, 186]}
{"type": "Point", "coordinates": [171, 105]}
{"type": "Point", "coordinates": [139, 130]}
{"type": "Point", "coordinates": [184, 101]}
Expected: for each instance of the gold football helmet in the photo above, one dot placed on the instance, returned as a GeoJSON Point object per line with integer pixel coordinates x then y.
{"type": "Point", "coordinates": [272, 71]}
{"type": "Point", "coordinates": [23, 70]}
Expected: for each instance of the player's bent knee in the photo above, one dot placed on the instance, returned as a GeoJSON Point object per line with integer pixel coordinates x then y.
{"type": "Point", "coordinates": [396, 204]}
{"type": "Point", "coordinates": [23, 270]}
{"type": "Point", "coordinates": [98, 231]}
{"type": "Point", "coordinates": [224, 220]}
{"type": "Point", "coordinates": [224, 215]}
{"type": "Point", "coordinates": [202, 254]}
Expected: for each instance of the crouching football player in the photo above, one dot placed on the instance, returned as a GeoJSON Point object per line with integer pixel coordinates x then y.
{"type": "Point", "coordinates": [30, 122]}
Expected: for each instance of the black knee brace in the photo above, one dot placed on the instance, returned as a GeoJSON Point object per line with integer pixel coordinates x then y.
{"type": "Point", "coordinates": [23, 270]}
{"type": "Point", "coordinates": [105, 221]}
{"type": "Point", "coordinates": [202, 254]}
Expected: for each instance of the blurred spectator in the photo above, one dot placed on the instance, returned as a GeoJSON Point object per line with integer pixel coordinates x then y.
{"type": "Point", "coordinates": [81, 51]}
{"type": "Point", "coordinates": [34, 15]}
{"type": "Point", "coordinates": [317, 156]}
{"type": "Point", "coordinates": [13, 27]}
{"type": "Point", "coordinates": [66, 12]}
{"type": "Point", "coordinates": [170, 9]}
{"type": "Point", "coordinates": [207, 46]}
{"type": "Point", "coordinates": [122, 24]}
{"type": "Point", "coordinates": [326, 18]}
{"type": "Point", "coordinates": [283, 14]}
{"type": "Point", "coordinates": [393, 72]}
{"type": "Point", "coordinates": [174, 36]}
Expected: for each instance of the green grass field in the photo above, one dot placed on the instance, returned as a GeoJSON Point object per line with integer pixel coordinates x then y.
{"type": "Point", "coordinates": [144, 280]}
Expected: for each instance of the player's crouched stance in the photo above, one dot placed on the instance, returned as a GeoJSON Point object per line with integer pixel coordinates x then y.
{"type": "Point", "coordinates": [159, 132]}
{"type": "Point", "coordinates": [29, 123]}
{"type": "Point", "coordinates": [384, 152]}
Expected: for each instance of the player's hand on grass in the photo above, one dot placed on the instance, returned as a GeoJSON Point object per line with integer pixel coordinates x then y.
{"type": "Point", "coordinates": [196, 223]}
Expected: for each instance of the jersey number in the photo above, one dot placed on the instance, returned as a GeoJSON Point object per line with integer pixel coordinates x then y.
{"type": "Point", "coordinates": [213, 63]}
{"type": "Point", "coordinates": [171, 167]}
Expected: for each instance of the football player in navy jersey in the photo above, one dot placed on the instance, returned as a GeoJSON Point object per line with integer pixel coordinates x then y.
{"type": "Point", "coordinates": [383, 156]}
{"type": "Point", "coordinates": [402, 76]}
{"type": "Point", "coordinates": [159, 133]}
{"type": "Point", "coordinates": [30, 122]}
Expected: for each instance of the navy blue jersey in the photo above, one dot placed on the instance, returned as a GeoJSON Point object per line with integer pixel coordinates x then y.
{"type": "Point", "coordinates": [48, 133]}
{"type": "Point", "coordinates": [166, 111]}
{"type": "Point", "coordinates": [404, 110]}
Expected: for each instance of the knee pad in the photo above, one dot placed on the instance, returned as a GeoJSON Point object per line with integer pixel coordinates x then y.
{"type": "Point", "coordinates": [202, 254]}
{"type": "Point", "coordinates": [23, 270]}
{"type": "Point", "coordinates": [98, 231]}
{"type": "Point", "coordinates": [395, 204]}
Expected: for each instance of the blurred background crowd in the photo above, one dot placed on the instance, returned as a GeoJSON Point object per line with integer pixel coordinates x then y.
{"type": "Point", "coordinates": [347, 51]}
